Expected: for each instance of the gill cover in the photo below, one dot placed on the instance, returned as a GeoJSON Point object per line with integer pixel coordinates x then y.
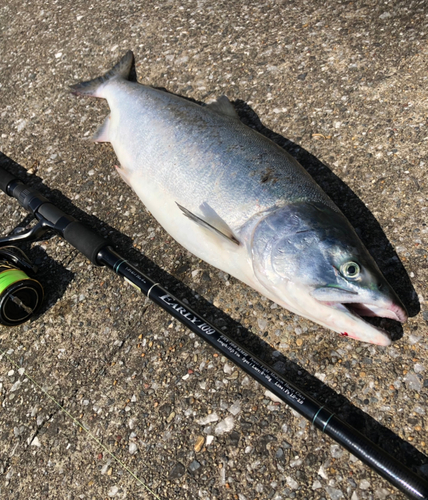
{"type": "Point", "coordinates": [294, 243]}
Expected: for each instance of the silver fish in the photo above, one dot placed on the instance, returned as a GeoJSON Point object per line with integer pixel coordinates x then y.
{"type": "Point", "coordinates": [240, 202]}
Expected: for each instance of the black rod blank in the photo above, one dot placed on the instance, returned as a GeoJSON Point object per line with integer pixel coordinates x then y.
{"type": "Point", "coordinates": [323, 418]}
{"type": "Point", "coordinates": [97, 249]}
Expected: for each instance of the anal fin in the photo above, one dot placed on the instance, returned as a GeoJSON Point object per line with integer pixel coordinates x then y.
{"type": "Point", "coordinates": [211, 221]}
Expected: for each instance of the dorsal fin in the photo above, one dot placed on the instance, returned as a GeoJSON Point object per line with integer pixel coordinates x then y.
{"type": "Point", "coordinates": [212, 221]}
{"type": "Point", "coordinates": [224, 107]}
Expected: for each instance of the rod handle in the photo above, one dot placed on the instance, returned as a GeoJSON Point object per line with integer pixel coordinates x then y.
{"type": "Point", "coordinates": [85, 240]}
{"type": "Point", "coordinates": [5, 179]}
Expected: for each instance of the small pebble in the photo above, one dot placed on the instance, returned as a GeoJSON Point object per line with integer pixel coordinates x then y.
{"type": "Point", "coordinates": [262, 323]}
{"type": "Point", "coordinates": [199, 443]}
{"type": "Point", "coordinates": [272, 397]}
{"type": "Point", "coordinates": [170, 417]}
{"type": "Point", "coordinates": [235, 408]}
{"type": "Point", "coordinates": [36, 442]}
{"type": "Point", "coordinates": [177, 471]}
{"type": "Point", "coordinates": [106, 467]}
{"type": "Point", "coordinates": [211, 417]}
{"type": "Point", "coordinates": [335, 494]}
{"type": "Point", "coordinates": [322, 473]}
{"type": "Point", "coordinates": [225, 425]}
{"type": "Point", "coordinates": [228, 368]}
{"type": "Point", "coordinates": [364, 484]}
{"type": "Point", "coordinates": [259, 488]}
{"type": "Point", "coordinates": [113, 491]}
{"type": "Point", "coordinates": [292, 483]}
{"type": "Point", "coordinates": [194, 466]}
{"type": "Point", "coordinates": [381, 494]}
{"type": "Point", "coordinates": [336, 451]}
{"type": "Point", "coordinates": [413, 382]}
{"type": "Point", "coordinates": [15, 386]}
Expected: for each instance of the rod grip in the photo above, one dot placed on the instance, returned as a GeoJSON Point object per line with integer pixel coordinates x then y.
{"type": "Point", "coordinates": [85, 240]}
{"type": "Point", "coordinates": [78, 235]}
{"type": "Point", "coordinates": [5, 179]}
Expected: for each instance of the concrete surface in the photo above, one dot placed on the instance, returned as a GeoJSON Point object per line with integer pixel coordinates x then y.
{"type": "Point", "coordinates": [342, 86]}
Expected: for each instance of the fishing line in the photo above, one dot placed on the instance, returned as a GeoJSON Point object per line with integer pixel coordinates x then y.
{"type": "Point", "coordinates": [82, 426]}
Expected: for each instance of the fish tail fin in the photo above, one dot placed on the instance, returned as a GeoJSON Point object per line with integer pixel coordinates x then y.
{"type": "Point", "coordinates": [92, 87]}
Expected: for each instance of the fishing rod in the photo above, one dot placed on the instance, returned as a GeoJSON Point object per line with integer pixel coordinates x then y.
{"type": "Point", "coordinates": [21, 296]}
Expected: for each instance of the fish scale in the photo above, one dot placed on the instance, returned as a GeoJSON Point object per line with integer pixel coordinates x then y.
{"type": "Point", "coordinates": [225, 160]}
{"type": "Point", "coordinates": [240, 202]}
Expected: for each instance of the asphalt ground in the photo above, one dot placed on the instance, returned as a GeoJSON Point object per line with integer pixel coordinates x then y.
{"type": "Point", "coordinates": [342, 86]}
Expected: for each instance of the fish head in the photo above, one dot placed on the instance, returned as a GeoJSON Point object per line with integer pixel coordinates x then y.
{"type": "Point", "coordinates": [311, 261]}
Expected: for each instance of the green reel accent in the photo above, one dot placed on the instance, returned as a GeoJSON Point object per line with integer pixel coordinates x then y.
{"type": "Point", "coordinates": [10, 277]}
{"type": "Point", "coordinates": [20, 296]}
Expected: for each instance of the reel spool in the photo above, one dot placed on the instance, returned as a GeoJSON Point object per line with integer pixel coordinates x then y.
{"type": "Point", "coordinates": [20, 295]}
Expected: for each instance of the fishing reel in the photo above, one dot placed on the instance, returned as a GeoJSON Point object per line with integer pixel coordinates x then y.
{"type": "Point", "coordinates": [20, 294]}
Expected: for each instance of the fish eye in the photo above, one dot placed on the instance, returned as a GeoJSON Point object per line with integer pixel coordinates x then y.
{"type": "Point", "coordinates": [350, 270]}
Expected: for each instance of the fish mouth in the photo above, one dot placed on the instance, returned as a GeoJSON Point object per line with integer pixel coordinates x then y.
{"type": "Point", "coordinates": [375, 320]}
{"type": "Point", "coordinates": [394, 311]}
{"type": "Point", "coordinates": [382, 325]}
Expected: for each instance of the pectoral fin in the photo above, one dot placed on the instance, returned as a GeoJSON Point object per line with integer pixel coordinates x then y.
{"type": "Point", "coordinates": [212, 221]}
